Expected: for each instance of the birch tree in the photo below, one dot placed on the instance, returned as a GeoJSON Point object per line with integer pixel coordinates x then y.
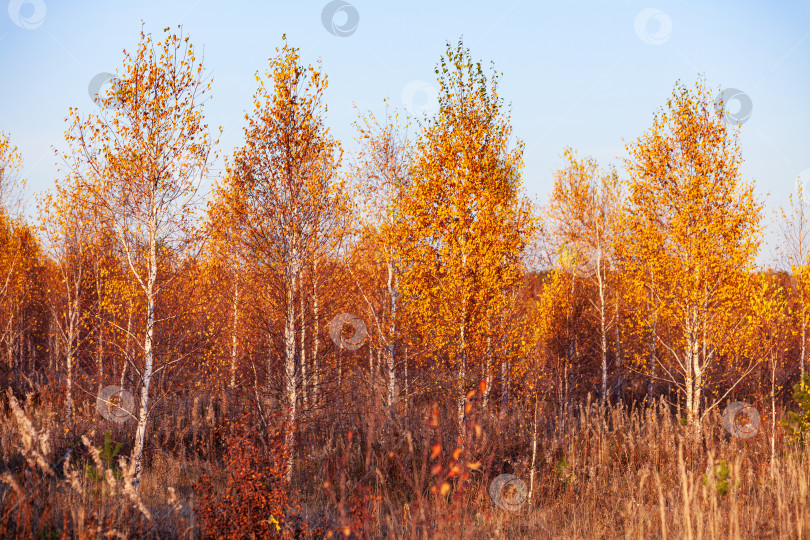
{"type": "Point", "coordinates": [794, 224]}
{"type": "Point", "coordinates": [695, 226]}
{"type": "Point", "coordinates": [383, 170]}
{"type": "Point", "coordinates": [586, 205]}
{"type": "Point", "coordinates": [465, 222]}
{"type": "Point", "coordinates": [140, 162]}
{"type": "Point", "coordinates": [66, 224]}
{"type": "Point", "coordinates": [769, 330]}
{"type": "Point", "coordinates": [281, 189]}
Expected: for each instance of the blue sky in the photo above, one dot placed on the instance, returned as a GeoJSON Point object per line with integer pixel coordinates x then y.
{"type": "Point", "coordinates": [584, 74]}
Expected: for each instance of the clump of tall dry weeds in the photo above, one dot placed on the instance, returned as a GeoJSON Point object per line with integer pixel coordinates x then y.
{"type": "Point", "coordinates": [43, 500]}
{"type": "Point", "coordinates": [373, 470]}
{"type": "Point", "coordinates": [612, 472]}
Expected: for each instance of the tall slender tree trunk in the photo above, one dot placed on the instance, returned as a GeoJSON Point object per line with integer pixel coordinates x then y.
{"type": "Point", "coordinates": [405, 374]}
{"type": "Point", "coordinates": [564, 413]}
{"type": "Point", "coordinates": [340, 379]}
{"type": "Point", "coordinates": [652, 357]}
{"type": "Point", "coordinates": [10, 342]}
{"type": "Point", "coordinates": [462, 378]}
{"type": "Point", "coordinates": [51, 345]}
{"type": "Point", "coordinates": [100, 330]}
{"type": "Point", "coordinates": [619, 374]}
{"type": "Point", "coordinates": [534, 446]}
{"type": "Point", "coordinates": [392, 335]}
{"type": "Point", "coordinates": [70, 347]}
{"type": "Point", "coordinates": [316, 368]}
{"type": "Point", "coordinates": [127, 348]}
{"type": "Point", "coordinates": [490, 360]}
{"type": "Point", "coordinates": [289, 363]}
{"type": "Point", "coordinates": [234, 329]}
{"type": "Point", "coordinates": [100, 352]}
{"type": "Point", "coordinates": [603, 341]}
{"type": "Point", "coordinates": [693, 375]}
{"type": "Point", "coordinates": [689, 381]}
{"type": "Point", "coordinates": [603, 333]}
{"type": "Point", "coordinates": [804, 328]}
{"type": "Point", "coordinates": [148, 351]}
{"type": "Point", "coordinates": [504, 387]}
{"type": "Point", "coordinates": [303, 350]}
{"type": "Point", "coordinates": [773, 416]}
{"type": "Point", "coordinates": [698, 382]}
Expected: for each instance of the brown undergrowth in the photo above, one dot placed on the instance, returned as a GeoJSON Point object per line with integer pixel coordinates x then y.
{"type": "Point", "coordinates": [216, 469]}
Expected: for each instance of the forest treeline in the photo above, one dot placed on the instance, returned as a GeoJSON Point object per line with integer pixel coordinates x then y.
{"type": "Point", "coordinates": [411, 275]}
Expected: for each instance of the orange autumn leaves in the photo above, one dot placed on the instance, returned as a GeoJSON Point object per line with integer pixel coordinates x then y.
{"type": "Point", "coordinates": [438, 252]}
{"type": "Point", "coordinates": [672, 256]}
{"type": "Point", "coordinates": [464, 222]}
{"type": "Point", "coordinates": [694, 225]}
{"type": "Point", "coordinates": [138, 166]}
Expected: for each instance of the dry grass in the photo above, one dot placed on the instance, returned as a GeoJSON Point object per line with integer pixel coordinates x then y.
{"type": "Point", "coordinates": [633, 472]}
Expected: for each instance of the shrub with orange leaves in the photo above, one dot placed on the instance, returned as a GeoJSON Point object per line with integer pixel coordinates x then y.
{"type": "Point", "coordinates": [251, 498]}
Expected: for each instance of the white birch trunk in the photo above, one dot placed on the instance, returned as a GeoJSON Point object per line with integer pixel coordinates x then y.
{"type": "Point", "coordinates": [289, 361]}
{"type": "Point", "coordinates": [127, 349]}
{"type": "Point", "coordinates": [602, 328]}
{"type": "Point", "coordinates": [773, 417]}
{"type": "Point", "coordinates": [390, 352]}
{"type": "Point", "coordinates": [233, 331]}
{"type": "Point", "coordinates": [316, 369]}
{"type": "Point", "coordinates": [69, 349]}
{"type": "Point", "coordinates": [303, 350]}
{"type": "Point", "coordinates": [804, 328]}
{"type": "Point", "coordinates": [140, 434]}
{"type": "Point", "coordinates": [534, 449]}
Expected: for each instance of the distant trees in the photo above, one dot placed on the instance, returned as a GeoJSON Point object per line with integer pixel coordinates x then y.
{"type": "Point", "coordinates": [10, 182]}
{"type": "Point", "coordinates": [794, 225]}
{"type": "Point", "coordinates": [67, 225]}
{"type": "Point", "coordinates": [23, 274]}
{"type": "Point", "coordinates": [768, 329]}
{"type": "Point", "coordinates": [383, 173]}
{"type": "Point", "coordinates": [586, 206]}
